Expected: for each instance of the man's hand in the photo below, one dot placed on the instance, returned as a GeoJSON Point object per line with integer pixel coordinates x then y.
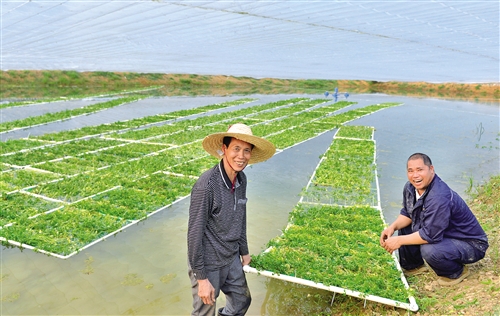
{"type": "Point", "coordinates": [386, 233]}
{"type": "Point", "coordinates": [206, 292]}
{"type": "Point", "coordinates": [387, 241]}
{"type": "Point", "coordinates": [245, 260]}
{"type": "Point", "coordinates": [391, 244]}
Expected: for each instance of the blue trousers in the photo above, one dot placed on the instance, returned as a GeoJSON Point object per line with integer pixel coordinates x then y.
{"type": "Point", "coordinates": [446, 258]}
{"type": "Point", "coordinates": [232, 282]}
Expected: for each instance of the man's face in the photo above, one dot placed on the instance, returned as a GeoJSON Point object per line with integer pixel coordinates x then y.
{"type": "Point", "coordinates": [238, 154]}
{"type": "Point", "coordinates": [419, 174]}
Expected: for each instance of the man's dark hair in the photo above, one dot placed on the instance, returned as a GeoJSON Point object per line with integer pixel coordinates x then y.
{"type": "Point", "coordinates": [424, 157]}
{"type": "Point", "coordinates": [227, 140]}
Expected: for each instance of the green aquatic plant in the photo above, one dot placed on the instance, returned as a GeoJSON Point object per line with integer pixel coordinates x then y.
{"type": "Point", "coordinates": [358, 132]}
{"type": "Point", "coordinates": [64, 115]}
{"type": "Point", "coordinates": [332, 244]}
{"type": "Point", "coordinates": [19, 205]}
{"type": "Point", "coordinates": [128, 170]}
{"type": "Point", "coordinates": [335, 246]}
{"type": "Point", "coordinates": [62, 232]}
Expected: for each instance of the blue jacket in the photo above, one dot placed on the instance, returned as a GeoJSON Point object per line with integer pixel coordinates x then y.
{"type": "Point", "coordinates": [440, 213]}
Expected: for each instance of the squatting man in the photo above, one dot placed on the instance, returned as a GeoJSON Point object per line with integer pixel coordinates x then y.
{"type": "Point", "coordinates": [217, 236]}
{"type": "Point", "coordinates": [435, 226]}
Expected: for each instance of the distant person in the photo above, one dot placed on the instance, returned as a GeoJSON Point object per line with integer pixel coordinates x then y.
{"type": "Point", "coordinates": [217, 235]}
{"type": "Point", "coordinates": [435, 225]}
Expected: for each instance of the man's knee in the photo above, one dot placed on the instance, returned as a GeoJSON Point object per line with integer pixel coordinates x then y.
{"type": "Point", "coordinates": [249, 298]}
{"type": "Point", "coordinates": [244, 301]}
{"type": "Point", "coordinates": [431, 253]}
{"type": "Point", "coordinates": [236, 305]}
{"type": "Point", "coordinates": [247, 303]}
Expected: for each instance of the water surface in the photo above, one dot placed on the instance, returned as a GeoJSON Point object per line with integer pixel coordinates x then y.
{"type": "Point", "coordinates": [142, 270]}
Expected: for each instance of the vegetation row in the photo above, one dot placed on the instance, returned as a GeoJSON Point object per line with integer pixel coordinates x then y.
{"type": "Point", "coordinates": [333, 244]}
{"type": "Point", "coordinates": [86, 184]}
{"type": "Point", "coordinates": [64, 115]}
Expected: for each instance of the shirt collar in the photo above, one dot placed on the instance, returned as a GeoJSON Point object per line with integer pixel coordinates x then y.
{"type": "Point", "coordinates": [228, 182]}
{"type": "Point", "coordinates": [419, 195]}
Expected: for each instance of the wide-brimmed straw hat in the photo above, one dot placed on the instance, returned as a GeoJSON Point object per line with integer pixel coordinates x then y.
{"type": "Point", "coordinates": [262, 150]}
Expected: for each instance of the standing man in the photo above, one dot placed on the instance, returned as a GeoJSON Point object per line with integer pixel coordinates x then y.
{"type": "Point", "coordinates": [217, 238]}
{"type": "Point", "coordinates": [435, 225]}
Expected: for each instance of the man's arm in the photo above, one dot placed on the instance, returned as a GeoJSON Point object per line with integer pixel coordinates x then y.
{"type": "Point", "coordinates": [196, 227]}
{"type": "Point", "coordinates": [395, 242]}
{"type": "Point", "coordinates": [400, 222]}
{"type": "Point", "coordinates": [391, 243]}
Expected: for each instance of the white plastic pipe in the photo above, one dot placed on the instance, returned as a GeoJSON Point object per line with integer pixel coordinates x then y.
{"type": "Point", "coordinates": [412, 306]}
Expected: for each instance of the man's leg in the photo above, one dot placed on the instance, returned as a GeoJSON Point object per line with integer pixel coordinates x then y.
{"type": "Point", "coordinates": [409, 256]}
{"type": "Point", "coordinates": [236, 289]}
{"type": "Point", "coordinates": [447, 258]}
{"type": "Point", "coordinates": [199, 308]}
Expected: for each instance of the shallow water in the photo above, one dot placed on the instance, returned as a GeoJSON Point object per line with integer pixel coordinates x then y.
{"type": "Point", "coordinates": [144, 107]}
{"type": "Point", "coordinates": [36, 109]}
{"type": "Point", "coordinates": [143, 271]}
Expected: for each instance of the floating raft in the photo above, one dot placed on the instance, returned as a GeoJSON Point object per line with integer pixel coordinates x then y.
{"type": "Point", "coordinates": [332, 239]}
{"type": "Point", "coordinates": [64, 192]}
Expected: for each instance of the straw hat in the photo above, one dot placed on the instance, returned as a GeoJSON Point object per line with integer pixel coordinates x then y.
{"type": "Point", "coordinates": [262, 150]}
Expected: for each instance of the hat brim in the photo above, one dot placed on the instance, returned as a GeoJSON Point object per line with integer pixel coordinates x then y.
{"type": "Point", "coordinates": [262, 150]}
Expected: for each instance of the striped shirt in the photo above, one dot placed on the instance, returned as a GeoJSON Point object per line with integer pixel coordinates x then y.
{"type": "Point", "coordinates": [217, 221]}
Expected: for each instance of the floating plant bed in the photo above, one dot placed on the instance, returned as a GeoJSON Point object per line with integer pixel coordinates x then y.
{"type": "Point", "coordinates": [64, 115]}
{"type": "Point", "coordinates": [63, 232]}
{"type": "Point", "coordinates": [18, 205]}
{"type": "Point", "coordinates": [17, 179]}
{"type": "Point", "coordinates": [135, 123]}
{"type": "Point", "coordinates": [332, 246]}
{"type": "Point", "coordinates": [125, 171]}
{"type": "Point", "coordinates": [50, 152]}
{"type": "Point", "coordinates": [15, 145]}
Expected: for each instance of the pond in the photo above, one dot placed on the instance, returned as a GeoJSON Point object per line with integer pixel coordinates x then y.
{"type": "Point", "coordinates": [143, 270]}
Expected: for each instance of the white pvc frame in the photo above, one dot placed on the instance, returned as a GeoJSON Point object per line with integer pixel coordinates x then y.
{"type": "Point", "coordinates": [411, 306]}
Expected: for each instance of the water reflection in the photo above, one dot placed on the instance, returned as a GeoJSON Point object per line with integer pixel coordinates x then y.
{"type": "Point", "coordinates": [142, 271]}
{"type": "Point", "coordinates": [283, 298]}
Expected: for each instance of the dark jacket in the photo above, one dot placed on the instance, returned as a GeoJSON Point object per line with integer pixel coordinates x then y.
{"type": "Point", "coordinates": [217, 221]}
{"type": "Point", "coordinates": [440, 213]}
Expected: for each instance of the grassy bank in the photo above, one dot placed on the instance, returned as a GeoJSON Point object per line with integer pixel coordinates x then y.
{"type": "Point", "coordinates": [16, 84]}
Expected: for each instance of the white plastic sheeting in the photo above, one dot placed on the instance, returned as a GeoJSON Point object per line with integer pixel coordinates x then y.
{"type": "Point", "coordinates": [437, 41]}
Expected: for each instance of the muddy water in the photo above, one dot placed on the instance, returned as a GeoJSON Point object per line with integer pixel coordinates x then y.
{"type": "Point", "coordinates": [142, 271]}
